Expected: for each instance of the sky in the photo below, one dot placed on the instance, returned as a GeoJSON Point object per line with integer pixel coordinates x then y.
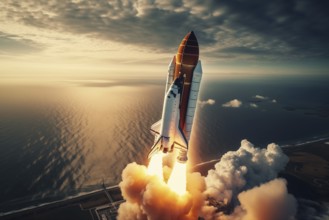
{"type": "Point", "coordinates": [73, 38]}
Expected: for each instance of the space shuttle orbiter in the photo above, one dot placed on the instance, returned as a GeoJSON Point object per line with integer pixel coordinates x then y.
{"type": "Point", "coordinates": [173, 130]}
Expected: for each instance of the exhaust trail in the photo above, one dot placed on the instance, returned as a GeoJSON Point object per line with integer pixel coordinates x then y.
{"type": "Point", "coordinates": [177, 180]}
{"type": "Point", "coordinates": [242, 186]}
{"type": "Point", "coordinates": [155, 166]}
{"type": "Point", "coordinates": [148, 197]}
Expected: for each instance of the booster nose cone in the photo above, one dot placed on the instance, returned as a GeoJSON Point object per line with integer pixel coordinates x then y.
{"type": "Point", "coordinates": [187, 55]}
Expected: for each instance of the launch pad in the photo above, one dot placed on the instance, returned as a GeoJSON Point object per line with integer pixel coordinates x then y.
{"type": "Point", "coordinates": [101, 204]}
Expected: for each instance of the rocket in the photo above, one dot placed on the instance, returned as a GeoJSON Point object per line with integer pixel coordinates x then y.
{"type": "Point", "coordinates": [173, 130]}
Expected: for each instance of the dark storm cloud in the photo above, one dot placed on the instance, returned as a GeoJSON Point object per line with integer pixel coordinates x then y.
{"type": "Point", "coordinates": [277, 28]}
{"type": "Point", "coordinates": [292, 27]}
{"type": "Point", "coordinates": [15, 44]}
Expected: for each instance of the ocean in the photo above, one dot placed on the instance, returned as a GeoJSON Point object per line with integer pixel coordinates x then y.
{"type": "Point", "coordinates": [63, 137]}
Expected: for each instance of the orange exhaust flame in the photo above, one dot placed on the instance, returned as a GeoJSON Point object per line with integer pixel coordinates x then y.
{"type": "Point", "coordinates": [155, 166]}
{"type": "Point", "coordinates": [177, 180]}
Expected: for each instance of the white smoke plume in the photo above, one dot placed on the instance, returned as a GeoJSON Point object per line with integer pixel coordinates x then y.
{"type": "Point", "coordinates": [235, 103]}
{"type": "Point", "coordinates": [244, 181]}
{"type": "Point", "coordinates": [243, 169]}
{"type": "Point", "coordinates": [269, 201]}
{"type": "Point", "coordinates": [207, 102]}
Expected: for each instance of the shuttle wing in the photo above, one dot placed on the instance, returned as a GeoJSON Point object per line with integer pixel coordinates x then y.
{"type": "Point", "coordinates": [155, 128]}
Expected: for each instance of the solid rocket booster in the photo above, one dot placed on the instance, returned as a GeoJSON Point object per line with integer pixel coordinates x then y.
{"type": "Point", "coordinates": [174, 128]}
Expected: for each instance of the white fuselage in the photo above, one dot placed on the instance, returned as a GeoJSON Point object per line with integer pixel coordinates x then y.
{"type": "Point", "coordinates": [167, 131]}
{"type": "Point", "coordinates": [170, 117]}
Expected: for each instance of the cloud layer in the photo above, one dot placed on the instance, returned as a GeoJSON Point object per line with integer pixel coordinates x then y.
{"type": "Point", "coordinates": [227, 29]}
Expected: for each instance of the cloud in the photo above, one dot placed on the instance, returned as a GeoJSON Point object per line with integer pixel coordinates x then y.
{"type": "Point", "coordinates": [235, 103]}
{"type": "Point", "coordinates": [253, 105]}
{"type": "Point", "coordinates": [260, 97]}
{"type": "Point", "coordinates": [207, 102]}
{"type": "Point", "coordinates": [244, 50]}
{"type": "Point", "coordinates": [256, 29]}
{"type": "Point", "coordinates": [15, 44]}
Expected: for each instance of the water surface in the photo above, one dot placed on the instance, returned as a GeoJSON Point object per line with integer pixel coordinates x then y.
{"type": "Point", "coordinates": [64, 137]}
